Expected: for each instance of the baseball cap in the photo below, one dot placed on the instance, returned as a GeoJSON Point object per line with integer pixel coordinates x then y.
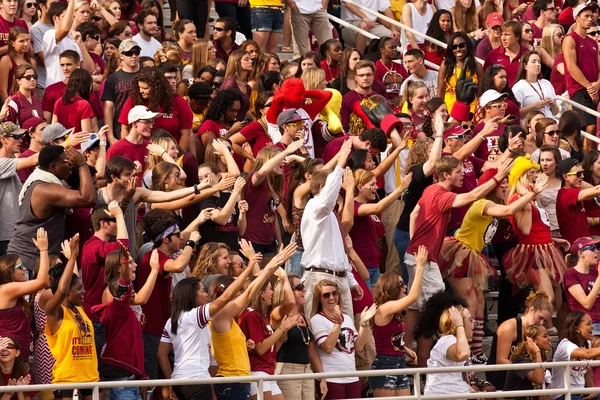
{"type": "Point", "coordinates": [288, 116]}
{"type": "Point", "coordinates": [128, 45]}
{"type": "Point", "coordinates": [582, 242]}
{"type": "Point", "coordinates": [94, 138]}
{"type": "Point", "coordinates": [455, 130]}
{"type": "Point", "coordinates": [494, 19]}
{"type": "Point", "coordinates": [140, 112]}
{"type": "Point", "coordinates": [8, 128]}
{"type": "Point", "coordinates": [584, 6]}
{"type": "Point", "coordinates": [488, 176]}
{"type": "Point", "coordinates": [565, 165]}
{"type": "Point", "coordinates": [55, 131]}
{"type": "Point", "coordinates": [32, 123]}
{"type": "Point", "coordinates": [490, 96]}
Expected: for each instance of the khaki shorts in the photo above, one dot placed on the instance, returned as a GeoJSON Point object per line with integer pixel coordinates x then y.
{"type": "Point", "coordinates": [349, 35]}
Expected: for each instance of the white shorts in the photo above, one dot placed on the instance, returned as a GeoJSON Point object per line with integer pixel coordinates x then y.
{"type": "Point", "coordinates": [268, 386]}
{"type": "Point", "coordinates": [432, 281]}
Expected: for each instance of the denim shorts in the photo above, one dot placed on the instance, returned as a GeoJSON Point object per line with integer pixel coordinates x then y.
{"type": "Point", "coordinates": [392, 382]}
{"type": "Point", "coordinates": [266, 19]}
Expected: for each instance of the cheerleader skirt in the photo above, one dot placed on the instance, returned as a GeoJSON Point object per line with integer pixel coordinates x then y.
{"type": "Point", "coordinates": [524, 262]}
{"type": "Point", "coordinates": [459, 261]}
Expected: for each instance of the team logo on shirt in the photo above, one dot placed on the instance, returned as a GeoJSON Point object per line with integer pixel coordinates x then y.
{"type": "Point", "coordinates": [543, 214]}
{"type": "Point", "coordinates": [346, 340]}
{"type": "Point", "coordinates": [398, 341]}
{"type": "Point", "coordinates": [490, 231]}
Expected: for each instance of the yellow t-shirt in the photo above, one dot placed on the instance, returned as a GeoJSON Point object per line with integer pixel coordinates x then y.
{"type": "Point", "coordinates": [477, 229]}
{"type": "Point", "coordinates": [230, 351]}
{"type": "Point", "coordinates": [266, 3]}
{"type": "Point", "coordinates": [450, 96]}
{"type": "Point", "coordinates": [75, 355]}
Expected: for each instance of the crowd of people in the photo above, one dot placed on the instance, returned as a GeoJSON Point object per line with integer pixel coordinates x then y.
{"type": "Point", "coordinates": [183, 204]}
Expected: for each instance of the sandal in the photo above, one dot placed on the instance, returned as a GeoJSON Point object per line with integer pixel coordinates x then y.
{"type": "Point", "coordinates": [287, 49]}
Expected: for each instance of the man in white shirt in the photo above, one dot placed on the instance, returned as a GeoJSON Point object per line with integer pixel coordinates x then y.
{"type": "Point", "coordinates": [367, 22]}
{"type": "Point", "coordinates": [59, 39]}
{"type": "Point", "coordinates": [37, 31]}
{"type": "Point", "coordinates": [148, 27]}
{"type": "Point", "coordinates": [324, 255]}
{"type": "Point", "coordinates": [414, 61]}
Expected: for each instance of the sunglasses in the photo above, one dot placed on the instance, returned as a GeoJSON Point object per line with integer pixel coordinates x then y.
{"type": "Point", "coordinates": [467, 126]}
{"type": "Point", "coordinates": [551, 133]}
{"type": "Point", "coordinates": [95, 37]}
{"type": "Point", "coordinates": [20, 266]}
{"type": "Point", "coordinates": [97, 18]}
{"type": "Point", "coordinates": [29, 5]}
{"type": "Point", "coordinates": [593, 33]}
{"type": "Point", "coordinates": [131, 53]}
{"type": "Point", "coordinates": [219, 29]}
{"type": "Point", "coordinates": [329, 294]}
{"type": "Point", "coordinates": [30, 77]}
{"type": "Point", "coordinates": [461, 45]}
{"type": "Point", "coordinates": [590, 248]}
{"type": "Point", "coordinates": [527, 30]}
{"type": "Point", "coordinates": [109, 220]}
{"type": "Point", "coordinates": [499, 106]}
{"type": "Point", "coordinates": [128, 33]}
{"type": "Point", "coordinates": [11, 346]}
{"type": "Point", "coordinates": [578, 174]}
{"type": "Point", "coordinates": [176, 234]}
{"type": "Point", "coordinates": [268, 105]}
{"type": "Point", "coordinates": [296, 124]}
{"type": "Point", "coordinates": [299, 287]}
{"type": "Point", "coordinates": [458, 137]}
{"type": "Point", "coordinates": [17, 136]}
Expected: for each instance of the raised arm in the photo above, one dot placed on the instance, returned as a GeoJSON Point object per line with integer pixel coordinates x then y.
{"type": "Point", "coordinates": [347, 220]}
{"type": "Point", "coordinates": [289, 301]}
{"type": "Point", "coordinates": [232, 168]}
{"type": "Point", "coordinates": [222, 216]}
{"type": "Point", "coordinates": [460, 351]}
{"type": "Point", "coordinates": [61, 197]}
{"type": "Point", "coordinates": [66, 22]}
{"type": "Point", "coordinates": [436, 149]}
{"type": "Point", "coordinates": [159, 151]}
{"type": "Point", "coordinates": [383, 204]}
{"type": "Point", "coordinates": [64, 284]}
{"type": "Point", "coordinates": [500, 210]}
{"type": "Point", "coordinates": [320, 98]}
{"type": "Point", "coordinates": [464, 199]}
{"type": "Point", "coordinates": [232, 290]}
{"type": "Point", "coordinates": [145, 292]}
{"type": "Point", "coordinates": [259, 176]}
{"type": "Point", "coordinates": [329, 193]}
{"type": "Point", "coordinates": [389, 161]}
{"type": "Point", "coordinates": [183, 260]}
{"type": "Point", "coordinates": [469, 148]}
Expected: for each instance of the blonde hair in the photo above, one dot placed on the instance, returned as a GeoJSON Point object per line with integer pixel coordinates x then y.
{"type": "Point", "coordinates": [312, 78]}
{"type": "Point", "coordinates": [80, 3]}
{"type": "Point", "coordinates": [411, 88]}
{"type": "Point", "coordinates": [361, 177]}
{"type": "Point", "coordinates": [316, 300]}
{"type": "Point", "coordinates": [207, 259]}
{"type": "Point", "coordinates": [168, 54]}
{"type": "Point", "coordinates": [279, 293]}
{"type": "Point", "coordinates": [199, 56]}
{"type": "Point", "coordinates": [521, 186]}
{"type": "Point", "coordinates": [274, 182]}
{"type": "Point", "coordinates": [548, 40]}
{"type": "Point", "coordinates": [447, 327]}
{"type": "Point", "coordinates": [234, 66]}
{"type": "Point", "coordinates": [163, 142]}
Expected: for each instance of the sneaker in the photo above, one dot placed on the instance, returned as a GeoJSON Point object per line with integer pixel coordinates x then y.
{"type": "Point", "coordinates": [479, 359]}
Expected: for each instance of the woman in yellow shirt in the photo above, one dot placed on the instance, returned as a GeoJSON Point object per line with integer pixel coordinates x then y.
{"type": "Point", "coordinates": [69, 331]}
{"type": "Point", "coordinates": [459, 55]}
{"type": "Point", "coordinates": [460, 259]}
{"type": "Point", "coordinates": [267, 23]}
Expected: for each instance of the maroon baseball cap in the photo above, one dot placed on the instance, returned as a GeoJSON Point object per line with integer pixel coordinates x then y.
{"type": "Point", "coordinates": [494, 19]}
{"type": "Point", "coordinates": [454, 131]}
{"type": "Point", "coordinates": [32, 123]}
{"type": "Point", "coordinates": [582, 242]}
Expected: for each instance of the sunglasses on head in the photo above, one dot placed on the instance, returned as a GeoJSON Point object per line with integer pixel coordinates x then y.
{"type": "Point", "coordinates": [551, 133]}
{"type": "Point", "coordinates": [97, 18]}
{"type": "Point", "coordinates": [578, 174]}
{"type": "Point", "coordinates": [329, 294]}
{"type": "Point", "coordinates": [131, 53]}
{"type": "Point", "coordinates": [461, 45]}
{"type": "Point", "coordinates": [299, 287]}
{"type": "Point", "coordinates": [465, 125]}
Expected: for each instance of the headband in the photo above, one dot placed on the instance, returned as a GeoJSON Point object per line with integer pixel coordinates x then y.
{"type": "Point", "coordinates": [169, 231]}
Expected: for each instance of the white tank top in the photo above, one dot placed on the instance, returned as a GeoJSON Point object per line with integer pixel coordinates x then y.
{"type": "Point", "coordinates": [420, 22]}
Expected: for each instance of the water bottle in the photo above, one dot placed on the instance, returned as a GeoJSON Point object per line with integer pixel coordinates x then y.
{"type": "Point", "coordinates": [75, 394]}
{"type": "Point", "coordinates": [150, 394]}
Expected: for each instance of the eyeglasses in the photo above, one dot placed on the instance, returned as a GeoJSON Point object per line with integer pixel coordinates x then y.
{"type": "Point", "coordinates": [299, 287]}
{"type": "Point", "coordinates": [131, 53]}
{"type": "Point", "coordinates": [218, 29]}
{"type": "Point", "coordinates": [329, 294]}
{"type": "Point", "coordinates": [551, 9]}
{"type": "Point", "coordinates": [527, 30]}
{"type": "Point", "coordinates": [458, 137]}
{"type": "Point", "coordinates": [551, 133]}
{"type": "Point", "coordinates": [30, 77]}
{"type": "Point", "coordinates": [579, 174]}
{"type": "Point", "coordinates": [593, 33]}
{"type": "Point", "coordinates": [590, 248]}
{"type": "Point", "coordinates": [95, 37]}
{"type": "Point", "coordinates": [461, 45]}
{"type": "Point", "coordinates": [20, 266]}
{"type": "Point", "coordinates": [29, 5]}
{"type": "Point", "coordinates": [499, 106]}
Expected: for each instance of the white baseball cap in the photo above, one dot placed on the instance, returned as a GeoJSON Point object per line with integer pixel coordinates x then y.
{"type": "Point", "coordinates": [140, 112]}
{"type": "Point", "coordinates": [588, 5]}
{"type": "Point", "coordinates": [490, 96]}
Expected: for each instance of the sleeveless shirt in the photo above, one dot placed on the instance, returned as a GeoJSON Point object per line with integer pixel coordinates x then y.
{"type": "Point", "coordinates": [587, 61]}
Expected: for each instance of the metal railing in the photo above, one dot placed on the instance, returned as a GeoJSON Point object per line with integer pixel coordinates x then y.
{"type": "Point", "coordinates": [403, 47]}
{"type": "Point", "coordinates": [417, 373]}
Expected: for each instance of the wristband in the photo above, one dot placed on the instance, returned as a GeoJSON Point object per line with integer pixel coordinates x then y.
{"type": "Point", "coordinates": [457, 326]}
{"type": "Point", "coordinates": [495, 180]}
{"type": "Point", "coordinates": [81, 165]}
{"type": "Point", "coordinates": [481, 137]}
{"type": "Point", "coordinates": [102, 143]}
{"type": "Point", "coordinates": [196, 189]}
{"type": "Point", "coordinates": [191, 243]}
{"type": "Point", "coordinates": [367, 325]}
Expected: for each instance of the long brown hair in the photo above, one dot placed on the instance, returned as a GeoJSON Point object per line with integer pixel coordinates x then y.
{"type": "Point", "coordinates": [466, 18]}
{"type": "Point", "coordinates": [13, 34]}
{"type": "Point", "coordinates": [417, 154]}
{"type": "Point", "coordinates": [20, 368]}
{"type": "Point", "coordinates": [521, 351]}
{"type": "Point", "coordinates": [388, 288]}
{"type": "Point", "coordinates": [274, 182]}
{"type": "Point", "coordinates": [316, 300]}
{"type": "Point", "coordinates": [7, 269]}
{"type": "Point", "coordinates": [344, 68]}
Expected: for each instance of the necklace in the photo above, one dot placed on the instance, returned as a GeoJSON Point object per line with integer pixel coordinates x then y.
{"type": "Point", "coordinates": [305, 339]}
{"type": "Point", "coordinates": [540, 93]}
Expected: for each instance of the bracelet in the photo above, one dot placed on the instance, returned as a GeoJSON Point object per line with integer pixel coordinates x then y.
{"type": "Point", "coordinates": [163, 153]}
{"type": "Point", "coordinates": [192, 244]}
{"type": "Point", "coordinates": [439, 136]}
{"type": "Point", "coordinates": [81, 165]}
{"type": "Point", "coordinates": [44, 250]}
{"type": "Point", "coordinates": [102, 143]}
{"type": "Point", "coordinates": [367, 325]}
{"type": "Point", "coordinates": [481, 137]}
{"type": "Point", "coordinates": [495, 180]}
{"type": "Point", "coordinates": [196, 189]}
{"type": "Point", "coordinates": [282, 330]}
{"type": "Point", "coordinates": [457, 326]}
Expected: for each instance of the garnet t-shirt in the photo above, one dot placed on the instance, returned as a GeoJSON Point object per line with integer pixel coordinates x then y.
{"type": "Point", "coordinates": [71, 115]}
{"type": "Point", "coordinates": [573, 277]}
{"type": "Point", "coordinates": [392, 76]}
{"type": "Point", "coordinates": [214, 127]}
{"type": "Point", "coordinates": [180, 117]}
{"type": "Point", "coordinates": [25, 172]}
{"type": "Point", "coordinates": [570, 214]}
{"type": "Point", "coordinates": [364, 237]}
{"type": "Point", "coordinates": [157, 308]}
{"type": "Point", "coordinates": [52, 94]}
{"type": "Point", "coordinates": [131, 151]}
{"type": "Point", "coordinates": [256, 136]}
{"type": "Point", "coordinates": [432, 222]}
{"type": "Point", "coordinates": [261, 221]}
{"type": "Point", "coordinates": [258, 328]}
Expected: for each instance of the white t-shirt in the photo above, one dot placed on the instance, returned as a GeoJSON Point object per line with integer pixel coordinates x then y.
{"type": "Point", "coordinates": [375, 5]}
{"type": "Point", "coordinates": [528, 94]}
{"type": "Point", "coordinates": [149, 48]}
{"type": "Point", "coordinates": [341, 358]}
{"type": "Point", "coordinates": [52, 51]}
{"type": "Point", "coordinates": [191, 345]}
{"type": "Point", "coordinates": [430, 80]}
{"type": "Point", "coordinates": [563, 353]}
{"type": "Point", "coordinates": [449, 382]}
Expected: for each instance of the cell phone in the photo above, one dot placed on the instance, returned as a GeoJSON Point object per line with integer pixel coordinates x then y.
{"type": "Point", "coordinates": [511, 118]}
{"type": "Point", "coordinates": [246, 120]}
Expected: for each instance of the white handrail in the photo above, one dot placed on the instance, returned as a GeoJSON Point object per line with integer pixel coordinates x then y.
{"type": "Point", "coordinates": [417, 372]}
